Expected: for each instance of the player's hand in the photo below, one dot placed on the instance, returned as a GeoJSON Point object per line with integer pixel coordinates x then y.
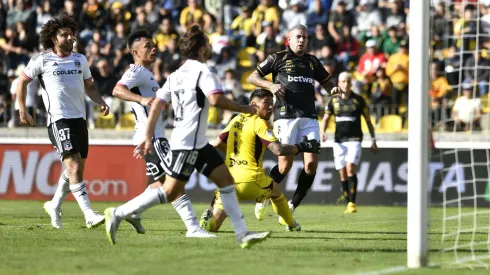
{"type": "Point", "coordinates": [309, 146]}
{"type": "Point", "coordinates": [104, 108]}
{"type": "Point", "coordinates": [249, 109]}
{"type": "Point", "coordinates": [278, 89]}
{"type": "Point", "coordinates": [324, 137]}
{"type": "Point", "coordinates": [336, 91]}
{"type": "Point", "coordinates": [147, 101]}
{"type": "Point", "coordinates": [142, 149]}
{"type": "Point", "coordinates": [26, 118]}
{"type": "Point", "coordinates": [374, 147]}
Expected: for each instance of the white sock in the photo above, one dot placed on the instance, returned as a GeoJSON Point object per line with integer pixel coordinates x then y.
{"type": "Point", "coordinates": [80, 193]}
{"type": "Point", "coordinates": [232, 209]}
{"type": "Point", "coordinates": [139, 204]}
{"type": "Point", "coordinates": [61, 191]}
{"type": "Point", "coordinates": [183, 206]}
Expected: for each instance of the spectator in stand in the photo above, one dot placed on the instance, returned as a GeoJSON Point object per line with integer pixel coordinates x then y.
{"type": "Point", "coordinates": [69, 9]}
{"type": "Point", "coordinates": [293, 16]}
{"type": "Point", "coordinates": [121, 60]}
{"type": "Point", "coordinates": [93, 55]}
{"type": "Point", "coordinates": [93, 17]}
{"type": "Point", "coordinates": [31, 96]}
{"type": "Point", "coordinates": [43, 15]}
{"type": "Point", "coordinates": [381, 91]}
{"type": "Point", "coordinates": [467, 110]}
{"type": "Point", "coordinates": [318, 16]}
{"type": "Point", "coordinates": [348, 48]}
{"type": "Point", "coordinates": [5, 97]}
{"type": "Point", "coordinates": [368, 15]}
{"type": "Point", "coordinates": [440, 26]}
{"type": "Point", "coordinates": [118, 15]}
{"type": "Point", "coordinates": [3, 19]}
{"type": "Point", "coordinates": [105, 81]}
{"type": "Point", "coordinates": [11, 47]}
{"type": "Point", "coordinates": [152, 14]}
{"type": "Point", "coordinates": [338, 19]}
{"type": "Point", "coordinates": [370, 62]}
{"type": "Point", "coordinates": [21, 14]}
{"type": "Point", "coordinates": [268, 42]}
{"type": "Point", "coordinates": [190, 15]}
{"type": "Point", "coordinates": [320, 40]}
{"type": "Point", "coordinates": [452, 66]}
{"type": "Point", "coordinates": [166, 31]}
{"type": "Point", "coordinates": [224, 62]}
{"type": "Point", "coordinates": [395, 14]}
{"type": "Point", "coordinates": [219, 40]}
{"type": "Point", "coordinates": [167, 61]}
{"type": "Point", "coordinates": [397, 71]}
{"type": "Point", "coordinates": [466, 27]}
{"type": "Point", "coordinates": [26, 41]}
{"type": "Point", "coordinates": [375, 33]}
{"type": "Point", "coordinates": [266, 12]}
{"type": "Point", "coordinates": [439, 89]}
{"type": "Point", "coordinates": [233, 90]}
{"type": "Point", "coordinates": [119, 37]}
{"type": "Point", "coordinates": [391, 43]}
{"type": "Point", "coordinates": [242, 26]}
{"type": "Point", "coordinates": [140, 22]}
{"type": "Point", "coordinates": [477, 71]}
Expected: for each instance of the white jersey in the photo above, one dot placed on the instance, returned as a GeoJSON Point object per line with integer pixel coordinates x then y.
{"type": "Point", "coordinates": [63, 82]}
{"type": "Point", "coordinates": [188, 89]}
{"type": "Point", "coordinates": [140, 81]}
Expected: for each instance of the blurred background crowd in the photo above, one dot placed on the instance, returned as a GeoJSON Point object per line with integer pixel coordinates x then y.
{"type": "Point", "coordinates": [368, 38]}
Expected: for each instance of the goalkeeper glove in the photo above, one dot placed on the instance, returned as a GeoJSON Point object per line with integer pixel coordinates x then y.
{"type": "Point", "coordinates": [309, 146]}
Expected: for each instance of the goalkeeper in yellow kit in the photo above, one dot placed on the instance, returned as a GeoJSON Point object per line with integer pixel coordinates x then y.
{"type": "Point", "coordinates": [244, 141]}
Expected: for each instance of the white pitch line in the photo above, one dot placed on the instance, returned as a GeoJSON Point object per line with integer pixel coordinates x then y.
{"type": "Point", "coordinates": [391, 270]}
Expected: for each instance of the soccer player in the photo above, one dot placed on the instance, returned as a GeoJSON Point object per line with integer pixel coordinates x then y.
{"type": "Point", "coordinates": [348, 109]}
{"type": "Point", "coordinates": [192, 89]}
{"type": "Point", "coordinates": [138, 86]}
{"type": "Point", "coordinates": [65, 78]}
{"type": "Point", "coordinates": [244, 141]}
{"type": "Point", "coordinates": [294, 72]}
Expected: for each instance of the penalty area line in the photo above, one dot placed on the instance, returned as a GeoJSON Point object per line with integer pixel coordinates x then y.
{"type": "Point", "coordinates": [390, 270]}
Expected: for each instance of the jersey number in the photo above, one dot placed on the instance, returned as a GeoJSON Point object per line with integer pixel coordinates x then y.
{"type": "Point", "coordinates": [179, 108]}
{"type": "Point", "coordinates": [64, 134]}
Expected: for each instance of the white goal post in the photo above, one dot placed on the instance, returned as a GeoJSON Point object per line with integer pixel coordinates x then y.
{"type": "Point", "coordinates": [418, 135]}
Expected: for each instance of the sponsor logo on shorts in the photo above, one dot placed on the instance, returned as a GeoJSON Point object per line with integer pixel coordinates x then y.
{"type": "Point", "coordinates": [345, 118]}
{"type": "Point", "coordinates": [301, 79]}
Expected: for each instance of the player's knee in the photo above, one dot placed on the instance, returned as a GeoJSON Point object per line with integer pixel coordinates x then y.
{"type": "Point", "coordinates": [284, 169]}
{"type": "Point", "coordinates": [310, 167]}
{"type": "Point", "coordinates": [172, 191]}
{"type": "Point", "coordinates": [351, 169]}
{"type": "Point", "coordinates": [276, 174]}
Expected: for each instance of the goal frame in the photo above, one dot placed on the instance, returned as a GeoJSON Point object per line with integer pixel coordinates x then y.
{"type": "Point", "coordinates": [418, 135]}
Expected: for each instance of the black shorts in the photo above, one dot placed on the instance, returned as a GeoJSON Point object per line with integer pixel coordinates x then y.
{"type": "Point", "coordinates": [155, 161]}
{"type": "Point", "coordinates": [183, 162]}
{"type": "Point", "coordinates": [69, 136]}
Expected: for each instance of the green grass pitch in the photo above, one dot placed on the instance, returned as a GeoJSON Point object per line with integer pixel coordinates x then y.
{"type": "Point", "coordinates": [373, 241]}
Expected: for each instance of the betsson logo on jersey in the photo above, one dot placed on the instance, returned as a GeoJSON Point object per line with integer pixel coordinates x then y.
{"type": "Point", "coordinates": [301, 79]}
{"type": "Point", "coordinates": [63, 72]}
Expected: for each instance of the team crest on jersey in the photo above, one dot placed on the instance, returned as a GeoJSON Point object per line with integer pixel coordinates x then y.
{"type": "Point", "coordinates": [77, 63]}
{"type": "Point", "coordinates": [67, 146]}
{"type": "Point", "coordinates": [269, 133]}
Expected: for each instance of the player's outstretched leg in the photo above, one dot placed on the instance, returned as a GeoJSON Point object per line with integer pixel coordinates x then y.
{"type": "Point", "coordinates": [281, 207]}
{"type": "Point", "coordinates": [261, 207]}
{"type": "Point", "coordinates": [53, 207]}
{"type": "Point", "coordinates": [221, 176]}
{"type": "Point", "coordinates": [305, 181]}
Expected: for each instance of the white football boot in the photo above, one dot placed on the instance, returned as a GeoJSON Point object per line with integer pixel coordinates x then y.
{"type": "Point", "coordinates": [250, 239]}
{"type": "Point", "coordinates": [55, 215]}
{"type": "Point", "coordinates": [135, 221]}
{"type": "Point", "coordinates": [199, 233]}
{"type": "Point", "coordinates": [261, 209]}
{"type": "Point", "coordinates": [93, 220]}
{"type": "Point", "coordinates": [112, 223]}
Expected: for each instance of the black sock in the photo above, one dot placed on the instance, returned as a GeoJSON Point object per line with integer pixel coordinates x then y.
{"type": "Point", "coordinates": [276, 175]}
{"type": "Point", "coordinates": [345, 189]}
{"type": "Point", "coordinates": [353, 188]}
{"type": "Point", "coordinates": [304, 183]}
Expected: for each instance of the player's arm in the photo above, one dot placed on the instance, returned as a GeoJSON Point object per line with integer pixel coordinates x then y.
{"type": "Point", "coordinates": [95, 96]}
{"type": "Point", "coordinates": [209, 85]}
{"type": "Point", "coordinates": [222, 139]}
{"type": "Point", "coordinates": [324, 78]}
{"type": "Point", "coordinates": [367, 117]}
{"type": "Point", "coordinates": [25, 117]}
{"type": "Point", "coordinates": [326, 117]}
{"type": "Point", "coordinates": [263, 69]}
{"type": "Point", "coordinates": [121, 91]}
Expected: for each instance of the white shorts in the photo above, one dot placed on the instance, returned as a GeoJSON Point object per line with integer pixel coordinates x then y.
{"type": "Point", "coordinates": [292, 131]}
{"type": "Point", "coordinates": [346, 152]}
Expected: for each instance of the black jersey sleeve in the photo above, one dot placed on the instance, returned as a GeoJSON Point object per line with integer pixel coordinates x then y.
{"type": "Point", "coordinates": [267, 66]}
{"type": "Point", "coordinates": [321, 74]}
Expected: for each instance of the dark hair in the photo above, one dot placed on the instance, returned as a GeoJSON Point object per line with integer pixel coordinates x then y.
{"type": "Point", "coordinates": [192, 41]}
{"type": "Point", "coordinates": [137, 35]}
{"type": "Point", "coordinates": [49, 30]}
{"type": "Point", "coordinates": [261, 93]}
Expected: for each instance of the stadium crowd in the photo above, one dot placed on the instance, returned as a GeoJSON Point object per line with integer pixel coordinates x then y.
{"type": "Point", "coordinates": [368, 38]}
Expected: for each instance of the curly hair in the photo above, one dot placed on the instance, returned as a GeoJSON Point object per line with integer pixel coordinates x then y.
{"type": "Point", "coordinates": [192, 41]}
{"type": "Point", "coordinates": [49, 30]}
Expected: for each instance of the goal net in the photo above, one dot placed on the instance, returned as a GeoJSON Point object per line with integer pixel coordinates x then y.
{"type": "Point", "coordinates": [460, 120]}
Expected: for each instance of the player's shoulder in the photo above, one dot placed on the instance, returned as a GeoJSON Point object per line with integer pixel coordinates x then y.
{"type": "Point", "coordinates": [311, 57]}
{"type": "Point", "coordinates": [278, 55]}
{"type": "Point", "coordinates": [358, 97]}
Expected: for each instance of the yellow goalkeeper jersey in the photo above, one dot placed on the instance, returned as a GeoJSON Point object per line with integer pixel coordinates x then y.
{"type": "Point", "coordinates": [247, 137]}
